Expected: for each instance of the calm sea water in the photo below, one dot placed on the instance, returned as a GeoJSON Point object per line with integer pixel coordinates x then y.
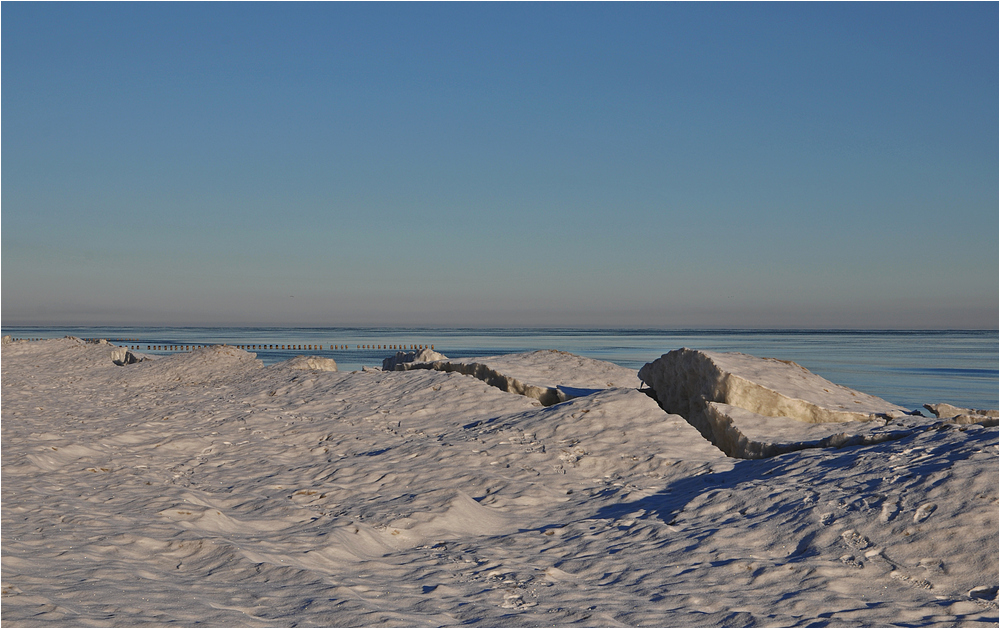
{"type": "Point", "coordinates": [909, 368]}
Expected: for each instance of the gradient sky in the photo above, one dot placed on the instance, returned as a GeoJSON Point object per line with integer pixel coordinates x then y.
{"type": "Point", "coordinates": [656, 165]}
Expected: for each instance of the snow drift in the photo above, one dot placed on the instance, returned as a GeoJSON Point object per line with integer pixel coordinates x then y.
{"type": "Point", "coordinates": [203, 489]}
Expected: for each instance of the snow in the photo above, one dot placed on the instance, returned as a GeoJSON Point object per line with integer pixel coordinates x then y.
{"type": "Point", "coordinates": [204, 488]}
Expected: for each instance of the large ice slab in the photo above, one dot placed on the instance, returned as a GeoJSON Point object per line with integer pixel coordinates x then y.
{"type": "Point", "coordinates": [686, 381]}
{"type": "Point", "coordinates": [550, 376]}
{"type": "Point", "coordinates": [767, 386]}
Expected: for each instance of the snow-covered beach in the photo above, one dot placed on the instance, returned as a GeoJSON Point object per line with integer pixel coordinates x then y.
{"type": "Point", "coordinates": [531, 489]}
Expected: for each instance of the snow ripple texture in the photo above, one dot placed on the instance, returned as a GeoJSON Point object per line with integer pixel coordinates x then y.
{"type": "Point", "coordinates": [206, 489]}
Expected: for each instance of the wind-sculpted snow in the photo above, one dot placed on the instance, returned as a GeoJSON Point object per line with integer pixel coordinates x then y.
{"type": "Point", "coordinates": [200, 366]}
{"type": "Point", "coordinates": [204, 489]}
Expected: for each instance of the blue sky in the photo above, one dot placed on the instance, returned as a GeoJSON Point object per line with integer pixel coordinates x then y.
{"type": "Point", "coordinates": [655, 165]}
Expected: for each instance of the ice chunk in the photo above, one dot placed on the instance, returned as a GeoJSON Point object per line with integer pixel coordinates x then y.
{"type": "Point", "coordinates": [947, 410]}
{"type": "Point", "coordinates": [686, 381]}
{"type": "Point", "coordinates": [957, 415]}
{"type": "Point", "coordinates": [315, 363]}
{"type": "Point", "coordinates": [394, 363]}
{"type": "Point", "coordinates": [982, 420]}
{"type": "Point", "coordinates": [123, 356]}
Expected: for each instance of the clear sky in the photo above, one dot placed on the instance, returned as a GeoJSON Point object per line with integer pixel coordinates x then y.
{"type": "Point", "coordinates": [657, 165]}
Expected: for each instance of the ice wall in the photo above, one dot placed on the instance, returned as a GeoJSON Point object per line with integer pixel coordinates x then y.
{"type": "Point", "coordinates": [755, 407]}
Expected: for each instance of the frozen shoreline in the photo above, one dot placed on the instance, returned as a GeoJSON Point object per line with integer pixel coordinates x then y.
{"type": "Point", "coordinates": [205, 488]}
{"type": "Point", "coordinates": [905, 367]}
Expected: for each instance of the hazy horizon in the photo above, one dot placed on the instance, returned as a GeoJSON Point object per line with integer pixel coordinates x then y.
{"type": "Point", "coordinates": [486, 328]}
{"type": "Point", "coordinates": [670, 166]}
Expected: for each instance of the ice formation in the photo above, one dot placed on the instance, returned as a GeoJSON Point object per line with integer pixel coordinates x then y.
{"type": "Point", "coordinates": [122, 356]}
{"type": "Point", "coordinates": [549, 376]}
{"type": "Point", "coordinates": [959, 415]}
{"type": "Point", "coordinates": [313, 363]}
{"type": "Point", "coordinates": [687, 381]}
{"type": "Point", "coordinates": [396, 362]}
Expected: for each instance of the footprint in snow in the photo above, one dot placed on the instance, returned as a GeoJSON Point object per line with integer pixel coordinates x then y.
{"type": "Point", "coordinates": [855, 540]}
{"type": "Point", "coordinates": [924, 511]}
{"type": "Point", "coordinates": [513, 600]}
{"type": "Point", "coordinates": [911, 581]}
{"type": "Point", "coordinates": [890, 509]}
{"type": "Point", "coordinates": [931, 565]}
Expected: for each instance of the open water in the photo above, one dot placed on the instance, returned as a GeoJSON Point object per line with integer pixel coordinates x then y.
{"type": "Point", "coordinates": [909, 368]}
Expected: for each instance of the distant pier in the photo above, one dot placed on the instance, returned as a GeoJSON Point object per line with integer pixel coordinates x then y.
{"type": "Point", "coordinates": [137, 344]}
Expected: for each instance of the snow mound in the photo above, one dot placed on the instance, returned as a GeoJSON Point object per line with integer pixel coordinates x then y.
{"type": "Point", "coordinates": [462, 516]}
{"type": "Point", "coordinates": [65, 356]}
{"type": "Point", "coordinates": [314, 363]}
{"type": "Point", "coordinates": [616, 433]}
{"type": "Point", "coordinates": [395, 363]}
{"type": "Point", "coordinates": [199, 366]}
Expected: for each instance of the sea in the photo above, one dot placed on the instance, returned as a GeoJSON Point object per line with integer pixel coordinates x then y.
{"type": "Point", "coordinates": [909, 368]}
